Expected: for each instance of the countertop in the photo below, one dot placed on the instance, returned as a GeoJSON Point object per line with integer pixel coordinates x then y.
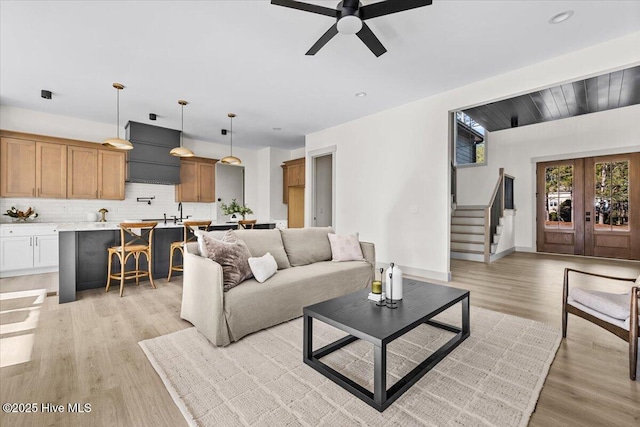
{"type": "Point", "coordinates": [94, 226]}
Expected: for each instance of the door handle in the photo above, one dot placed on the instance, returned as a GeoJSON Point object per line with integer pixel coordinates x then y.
{"type": "Point", "coordinates": [30, 241]}
{"type": "Point", "coordinates": [587, 217]}
{"type": "Point", "coordinates": [36, 240]}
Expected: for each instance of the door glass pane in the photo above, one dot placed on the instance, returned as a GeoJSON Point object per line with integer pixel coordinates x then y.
{"type": "Point", "coordinates": [611, 202]}
{"type": "Point", "coordinates": [559, 197]}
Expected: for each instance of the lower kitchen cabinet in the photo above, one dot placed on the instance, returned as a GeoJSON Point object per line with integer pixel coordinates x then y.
{"type": "Point", "coordinates": [28, 250]}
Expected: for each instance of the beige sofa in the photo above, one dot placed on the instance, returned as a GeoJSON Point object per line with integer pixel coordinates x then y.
{"type": "Point", "coordinates": [306, 275]}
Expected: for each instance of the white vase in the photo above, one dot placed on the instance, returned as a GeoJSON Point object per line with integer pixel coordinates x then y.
{"type": "Point", "coordinates": [393, 287]}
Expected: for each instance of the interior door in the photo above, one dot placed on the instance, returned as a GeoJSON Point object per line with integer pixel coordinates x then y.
{"type": "Point", "coordinates": [612, 206]}
{"type": "Point", "coordinates": [323, 191]}
{"type": "Point", "coordinates": [229, 184]}
{"type": "Point", "coordinates": [560, 201]}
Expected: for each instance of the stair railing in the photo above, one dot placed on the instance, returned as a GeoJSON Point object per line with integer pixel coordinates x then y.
{"type": "Point", "coordinates": [501, 199]}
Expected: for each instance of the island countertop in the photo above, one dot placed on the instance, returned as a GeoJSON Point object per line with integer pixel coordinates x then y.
{"type": "Point", "coordinates": [115, 225]}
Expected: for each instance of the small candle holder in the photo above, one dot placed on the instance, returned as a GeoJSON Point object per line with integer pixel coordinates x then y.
{"type": "Point", "coordinates": [382, 301]}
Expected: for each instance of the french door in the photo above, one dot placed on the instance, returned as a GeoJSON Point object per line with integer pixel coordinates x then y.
{"type": "Point", "coordinates": [590, 206]}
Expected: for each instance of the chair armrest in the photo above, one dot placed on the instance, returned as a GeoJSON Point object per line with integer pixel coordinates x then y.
{"type": "Point", "coordinates": [604, 276]}
{"type": "Point", "coordinates": [633, 326]}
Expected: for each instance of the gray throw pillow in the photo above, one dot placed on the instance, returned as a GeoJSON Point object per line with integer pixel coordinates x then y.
{"type": "Point", "coordinates": [260, 242]}
{"type": "Point", "coordinates": [307, 245]}
{"type": "Point", "coordinates": [233, 256]}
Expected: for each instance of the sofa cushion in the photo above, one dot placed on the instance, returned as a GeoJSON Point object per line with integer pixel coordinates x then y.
{"type": "Point", "coordinates": [613, 305]}
{"type": "Point", "coordinates": [260, 242]}
{"type": "Point", "coordinates": [255, 306]}
{"type": "Point", "coordinates": [263, 267]}
{"type": "Point", "coordinates": [345, 248]}
{"type": "Point", "coordinates": [307, 245]}
{"type": "Point", "coordinates": [216, 234]}
{"type": "Point", "coordinates": [233, 257]}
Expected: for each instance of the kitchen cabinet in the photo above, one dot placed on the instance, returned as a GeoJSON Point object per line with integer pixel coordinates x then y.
{"type": "Point", "coordinates": [33, 169]}
{"type": "Point", "coordinates": [28, 250]}
{"type": "Point", "coordinates": [197, 180]}
{"type": "Point", "coordinates": [95, 174]}
{"type": "Point", "coordinates": [293, 175]}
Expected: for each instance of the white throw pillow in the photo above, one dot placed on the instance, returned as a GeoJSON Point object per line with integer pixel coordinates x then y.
{"type": "Point", "coordinates": [345, 248]}
{"type": "Point", "coordinates": [263, 267]}
{"type": "Point", "coordinates": [216, 234]}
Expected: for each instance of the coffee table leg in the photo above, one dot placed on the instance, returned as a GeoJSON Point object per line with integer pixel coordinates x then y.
{"type": "Point", "coordinates": [466, 321]}
{"type": "Point", "coordinates": [380, 374]}
{"type": "Point", "coordinates": [307, 342]}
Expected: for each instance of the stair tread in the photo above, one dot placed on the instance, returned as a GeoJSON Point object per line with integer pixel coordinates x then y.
{"type": "Point", "coordinates": [467, 251]}
{"type": "Point", "coordinates": [460, 232]}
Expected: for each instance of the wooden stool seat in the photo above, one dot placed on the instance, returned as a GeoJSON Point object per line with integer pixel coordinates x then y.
{"type": "Point", "coordinates": [188, 235]}
{"type": "Point", "coordinates": [247, 224]}
{"type": "Point", "coordinates": [141, 243]}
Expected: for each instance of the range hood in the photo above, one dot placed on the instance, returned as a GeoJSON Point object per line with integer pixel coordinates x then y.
{"type": "Point", "coordinates": [150, 162]}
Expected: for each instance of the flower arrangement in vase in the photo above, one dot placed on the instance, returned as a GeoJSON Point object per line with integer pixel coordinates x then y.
{"type": "Point", "coordinates": [234, 208]}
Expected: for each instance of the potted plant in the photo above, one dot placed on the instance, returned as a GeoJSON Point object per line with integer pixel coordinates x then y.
{"type": "Point", "coordinates": [234, 209]}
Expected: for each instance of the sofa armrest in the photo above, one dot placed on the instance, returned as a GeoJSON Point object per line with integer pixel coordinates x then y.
{"type": "Point", "coordinates": [203, 296]}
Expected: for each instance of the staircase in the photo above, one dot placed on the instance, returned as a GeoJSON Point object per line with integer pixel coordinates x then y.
{"type": "Point", "coordinates": [467, 234]}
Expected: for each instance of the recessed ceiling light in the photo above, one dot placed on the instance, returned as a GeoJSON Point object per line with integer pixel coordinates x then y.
{"type": "Point", "coordinates": [277, 128]}
{"type": "Point", "coordinates": [561, 17]}
{"type": "Point", "coordinates": [361, 94]}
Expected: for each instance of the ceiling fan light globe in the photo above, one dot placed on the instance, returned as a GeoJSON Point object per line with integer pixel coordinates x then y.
{"type": "Point", "coordinates": [118, 143]}
{"type": "Point", "coordinates": [349, 24]}
{"type": "Point", "coordinates": [181, 152]}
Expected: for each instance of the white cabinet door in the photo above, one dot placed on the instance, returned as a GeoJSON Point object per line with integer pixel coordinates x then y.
{"type": "Point", "coordinates": [45, 251]}
{"type": "Point", "coordinates": [16, 253]}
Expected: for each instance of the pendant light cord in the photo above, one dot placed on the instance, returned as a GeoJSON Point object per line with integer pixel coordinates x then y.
{"type": "Point", "coordinates": [182, 124]}
{"type": "Point", "coordinates": [118, 112]}
{"type": "Point", "coordinates": [231, 118]}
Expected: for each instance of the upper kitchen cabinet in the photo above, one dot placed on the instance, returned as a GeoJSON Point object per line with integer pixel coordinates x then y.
{"type": "Point", "coordinates": [197, 180]}
{"type": "Point", "coordinates": [95, 173]}
{"type": "Point", "coordinates": [293, 172]}
{"type": "Point", "coordinates": [111, 174]}
{"type": "Point", "coordinates": [33, 169]}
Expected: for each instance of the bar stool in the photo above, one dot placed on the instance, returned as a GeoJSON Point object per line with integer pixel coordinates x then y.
{"type": "Point", "coordinates": [140, 243]}
{"type": "Point", "coordinates": [188, 236]}
{"type": "Point", "coordinates": [247, 224]}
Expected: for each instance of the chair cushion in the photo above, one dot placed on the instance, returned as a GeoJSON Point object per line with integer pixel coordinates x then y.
{"type": "Point", "coordinates": [616, 322]}
{"type": "Point", "coordinates": [233, 257]}
{"type": "Point", "coordinates": [612, 305]}
{"type": "Point", "coordinates": [260, 242]}
{"type": "Point", "coordinates": [307, 245]}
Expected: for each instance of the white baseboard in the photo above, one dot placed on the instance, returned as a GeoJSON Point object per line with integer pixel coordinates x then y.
{"type": "Point", "coordinates": [419, 272]}
{"type": "Point", "coordinates": [525, 249]}
{"type": "Point", "coordinates": [14, 273]}
{"type": "Point", "coordinates": [502, 254]}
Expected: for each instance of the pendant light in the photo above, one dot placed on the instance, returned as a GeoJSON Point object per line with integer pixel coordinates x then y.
{"type": "Point", "coordinates": [181, 151]}
{"type": "Point", "coordinates": [231, 159]}
{"type": "Point", "coordinates": [118, 143]}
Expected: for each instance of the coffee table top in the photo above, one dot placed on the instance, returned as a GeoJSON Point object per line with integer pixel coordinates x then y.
{"type": "Point", "coordinates": [360, 317]}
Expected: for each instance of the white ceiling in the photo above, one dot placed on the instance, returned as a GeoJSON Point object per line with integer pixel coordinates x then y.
{"type": "Point", "coordinates": [248, 57]}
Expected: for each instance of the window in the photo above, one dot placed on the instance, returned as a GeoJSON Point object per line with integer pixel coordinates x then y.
{"type": "Point", "coordinates": [611, 204]}
{"type": "Point", "coordinates": [470, 141]}
{"type": "Point", "coordinates": [559, 196]}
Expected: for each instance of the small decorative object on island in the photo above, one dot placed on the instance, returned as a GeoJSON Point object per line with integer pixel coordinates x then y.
{"type": "Point", "coordinates": [234, 208]}
{"type": "Point", "coordinates": [103, 213]}
{"type": "Point", "coordinates": [21, 216]}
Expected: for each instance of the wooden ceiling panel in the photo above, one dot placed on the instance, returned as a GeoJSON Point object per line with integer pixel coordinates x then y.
{"type": "Point", "coordinates": [604, 92]}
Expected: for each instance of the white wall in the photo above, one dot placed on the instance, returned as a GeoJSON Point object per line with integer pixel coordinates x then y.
{"type": "Point", "coordinates": [392, 168]}
{"type": "Point", "coordinates": [22, 120]}
{"type": "Point", "coordinates": [518, 149]}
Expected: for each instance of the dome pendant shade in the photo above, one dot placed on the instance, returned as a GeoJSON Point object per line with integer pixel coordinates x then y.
{"type": "Point", "coordinates": [349, 24]}
{"type": "Point", "coordinates": [231, 159]}
{"type": "Point", "coordinates": [118, 143]}
{"type": "Point", "coordinates": [181, 151]}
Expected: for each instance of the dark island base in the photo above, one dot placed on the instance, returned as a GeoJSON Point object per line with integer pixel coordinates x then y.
{"type": "Point", "coordinates": [84, 259]}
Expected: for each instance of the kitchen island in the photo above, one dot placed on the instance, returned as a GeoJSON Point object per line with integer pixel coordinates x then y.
{"type": "Point", "coordinates": [83, 258]}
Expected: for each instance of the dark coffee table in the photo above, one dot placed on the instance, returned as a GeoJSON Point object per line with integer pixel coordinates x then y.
{"type": "Point", "coordinates": [362, 319]}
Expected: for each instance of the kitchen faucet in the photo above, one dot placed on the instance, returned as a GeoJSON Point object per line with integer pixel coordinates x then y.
{"type": "Point", "coordinates": [180, 210]}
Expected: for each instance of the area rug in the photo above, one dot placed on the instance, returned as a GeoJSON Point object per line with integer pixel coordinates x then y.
{"type": "Point", "coordinates": [493, 378]}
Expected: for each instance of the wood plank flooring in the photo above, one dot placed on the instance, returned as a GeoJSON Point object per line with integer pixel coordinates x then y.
{"type": "Point", "coordinates": [87, 351]}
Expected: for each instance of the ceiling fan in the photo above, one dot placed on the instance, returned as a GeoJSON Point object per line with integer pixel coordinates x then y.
{"type": "Point", "coordinates": [350, 15]}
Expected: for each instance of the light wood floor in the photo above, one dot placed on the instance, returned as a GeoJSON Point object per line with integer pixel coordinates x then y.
{"type": "Point", "coordinates": [87, 351]}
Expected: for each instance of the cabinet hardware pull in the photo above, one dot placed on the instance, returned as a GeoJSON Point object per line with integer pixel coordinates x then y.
{"type": "Point", "coordinates": [36, 240]}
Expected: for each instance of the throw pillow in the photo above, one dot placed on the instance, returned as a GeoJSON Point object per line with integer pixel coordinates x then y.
{"type": "Point", "coordinates": [307, 245]}
{"type": "Point", "coordinates": [345, 248]}
{"type": "Point", "coordinates": [263, 267]}
{"type": "Point", "coordinates": [216, 234]}
{"type": "Point", "coordinates": [260, 242]}
{"type": "Point", "coordinates": [233, 257]}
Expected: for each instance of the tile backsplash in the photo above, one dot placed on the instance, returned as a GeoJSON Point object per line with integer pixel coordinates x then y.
{"type": "Point", "coordinates": [74, 210]}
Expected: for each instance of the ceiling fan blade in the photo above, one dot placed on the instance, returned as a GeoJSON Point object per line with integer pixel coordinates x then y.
{"type": "Point", "coordinates": [306, 7]}
{"type": "Point", "coordinates": [331, 32]}
{"type": "Point", "coordinates": [388, 7]}
{"type": "Point", "coordinates": [370, 39]}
